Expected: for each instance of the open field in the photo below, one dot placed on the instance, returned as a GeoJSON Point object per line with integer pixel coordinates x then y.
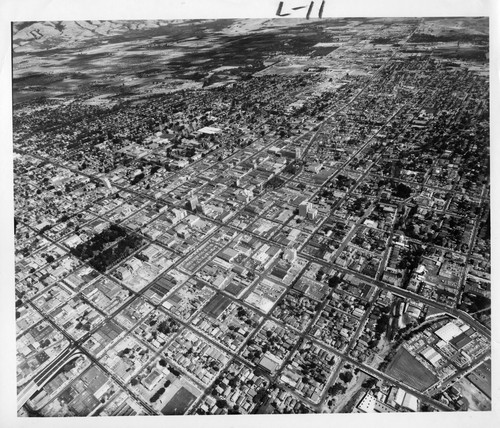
{"type": "Point", "coordinates": [476, 400]}
{"type": "Point", "coordinates": [179, 403]}
{"type": "Point", "coordinates": [406, 368]}
{"type": "Point", "coordinates": [69, 61]}
{"type": "Point", "coordinates": [481, 378]}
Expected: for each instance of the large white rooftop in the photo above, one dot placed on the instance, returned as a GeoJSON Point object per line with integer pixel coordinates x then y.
{"type": "Point", "coordinates": [448, 332]}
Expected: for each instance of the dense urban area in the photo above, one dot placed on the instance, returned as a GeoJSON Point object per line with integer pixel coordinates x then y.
{"type": "Point", "coordinates": [252, 216]}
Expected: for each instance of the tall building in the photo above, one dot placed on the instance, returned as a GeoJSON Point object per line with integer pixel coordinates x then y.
{"type": "Point", "coordinates": [312, 214]}
{"type": "Point", "coordinates": [304, 208]}
{"type": "Point", "coordinates": [193, 203]}
{"type": "Point", "coordinates": [307, 210]}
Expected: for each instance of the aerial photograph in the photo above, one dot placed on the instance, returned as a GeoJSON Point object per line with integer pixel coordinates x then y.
{"type": "Point", "coordinates": [252, 216]}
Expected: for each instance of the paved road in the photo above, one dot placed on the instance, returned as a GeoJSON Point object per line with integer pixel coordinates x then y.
{"type": "Point", "coordinates": [343, 356]}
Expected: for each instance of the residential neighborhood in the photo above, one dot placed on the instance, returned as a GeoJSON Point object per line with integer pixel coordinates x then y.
{"type": "Point", "coordinates": [252, 216]}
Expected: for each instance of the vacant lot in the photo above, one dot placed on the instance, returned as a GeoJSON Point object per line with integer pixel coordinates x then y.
{"type": "Point", "coordinates": [481, 378]}
{"type": "Point", "coordinates": [476, 400]}
{"type": "Point", "coordinates": [216, 306]}
{"type": "Point", "coordinates": [179, 403]}
{"type": "Point", "coordinates": [406, 368]}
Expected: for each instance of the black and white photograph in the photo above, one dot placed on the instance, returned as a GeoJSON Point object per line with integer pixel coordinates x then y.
{"type": "Point", "coordinates": [250, 216]}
